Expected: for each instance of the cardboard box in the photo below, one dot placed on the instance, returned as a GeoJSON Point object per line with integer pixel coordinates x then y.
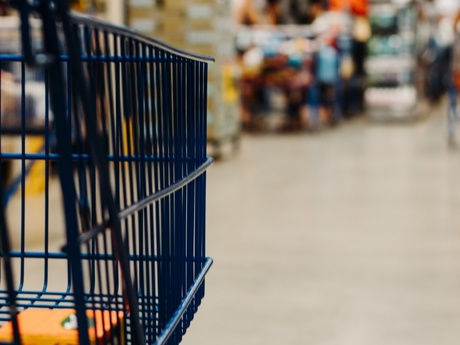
{"type": "Point", "coordinates": [58, 327]}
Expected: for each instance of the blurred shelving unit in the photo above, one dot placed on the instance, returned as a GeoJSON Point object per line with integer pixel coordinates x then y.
{"type": "Point", "coordinates": [391, 64]}
{"type": "Point", "coordinates": [204, 27]}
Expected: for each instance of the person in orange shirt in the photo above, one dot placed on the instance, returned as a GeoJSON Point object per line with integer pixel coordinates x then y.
{"type": "Point", "coordinates": [356, 7]}
{"type": "Point", "coordinates": [361, 32]}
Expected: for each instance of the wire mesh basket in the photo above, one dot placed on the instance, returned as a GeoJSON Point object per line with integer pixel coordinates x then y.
{"type": "Point", "coordinates": [112, 244]}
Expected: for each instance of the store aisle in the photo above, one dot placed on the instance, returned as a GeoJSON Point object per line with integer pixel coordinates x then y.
{"type": "Point", "coordinates": [346, 237]}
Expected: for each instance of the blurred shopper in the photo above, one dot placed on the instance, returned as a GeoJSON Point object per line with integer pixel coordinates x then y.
{"type": "Point", "coordinates": [320, 18]}
{"type": "Point", "coordinates": [440, 48]}
{"type": "Point", "coordinates": [456, 52]}
{"type": "Point", "coordinates": [361, 32]}
{"type": "Point", "coordinates": [357, 7]}
{"type": "Point", "coordinates": [429, 51]}
{"type": "Point", "coordinates": [326, 26]}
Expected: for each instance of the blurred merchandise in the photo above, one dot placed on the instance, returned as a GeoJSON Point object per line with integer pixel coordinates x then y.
{"type": "Point", "coordinates": [297, 77]}
{"type": "Point", "coordinates": [22, 103]}
{"type": "Point", "coordinates": [276, 64]}
{"type": "Point", "coordinates": [92, 7]}
{"type": "Point", "coordinates": [15, 100]}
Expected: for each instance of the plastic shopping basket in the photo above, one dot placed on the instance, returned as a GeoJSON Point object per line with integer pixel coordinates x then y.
{"type": "Point", "coordinates": [113, 248]}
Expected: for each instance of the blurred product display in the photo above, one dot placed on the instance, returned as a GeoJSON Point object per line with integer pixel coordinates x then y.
{"type": "Point", "coordinates": [300, 65]}
{"type": "Point", "coordinates": [392, 61]}
{"type": "Point", "coordinates": [309, 63]}
{"type": "Point", "coordinates": [325, 62]}
{"type": "Point", "coordinates": [304, 72]}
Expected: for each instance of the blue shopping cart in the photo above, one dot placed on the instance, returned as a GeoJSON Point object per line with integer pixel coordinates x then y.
{"type": "Point", "coordinates": [120, 256]}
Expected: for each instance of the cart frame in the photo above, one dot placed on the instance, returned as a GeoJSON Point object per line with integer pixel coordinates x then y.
{"type": "Point", "coordinates": [127, 116]}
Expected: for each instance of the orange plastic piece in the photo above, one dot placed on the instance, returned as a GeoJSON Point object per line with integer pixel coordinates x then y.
{"type": "Point", "coordinates": [58, 327]}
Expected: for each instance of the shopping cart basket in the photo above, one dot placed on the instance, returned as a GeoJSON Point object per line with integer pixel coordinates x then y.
{"type": "Point", "coordinates": [115, 249]}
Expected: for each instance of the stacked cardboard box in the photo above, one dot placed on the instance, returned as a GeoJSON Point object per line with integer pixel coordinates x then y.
{"type": "Point", "coordinates": [204, 27]}
{"type": "Point", "coordinates": [142, 16]}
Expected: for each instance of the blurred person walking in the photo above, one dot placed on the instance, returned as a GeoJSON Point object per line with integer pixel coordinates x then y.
{"type": "Point", "coordinates": [360, 34]}
{"type": "Point", "coordinates": [441, 47]}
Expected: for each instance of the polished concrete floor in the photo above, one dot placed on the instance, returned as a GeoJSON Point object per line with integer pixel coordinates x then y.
{"type": "Point", "coordinates": [350, 236]}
